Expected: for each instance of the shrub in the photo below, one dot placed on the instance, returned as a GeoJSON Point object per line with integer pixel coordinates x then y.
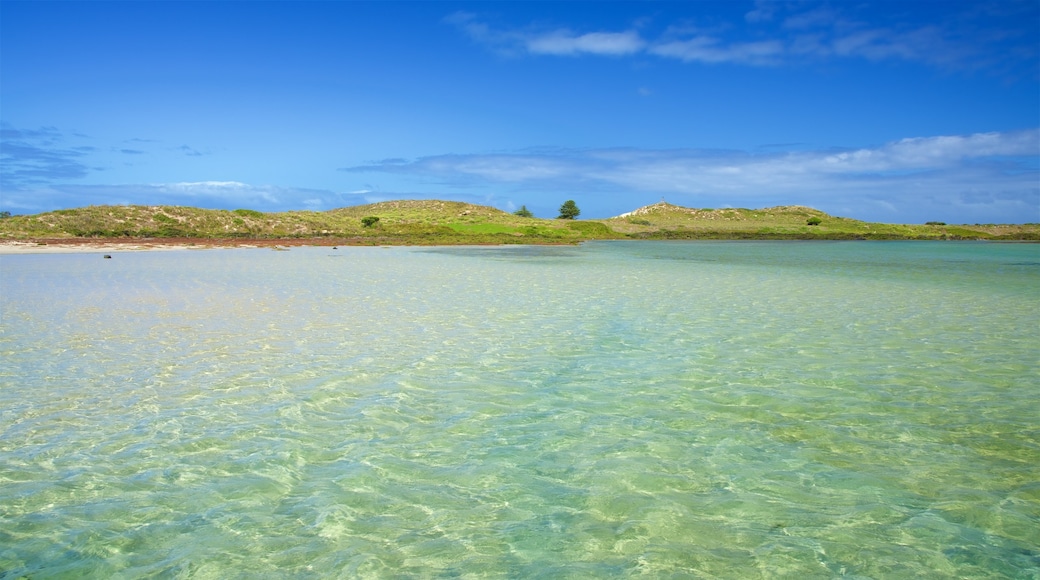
{"type": "Point", "coordinates": [523, 212]}
{"type": "Point", "coordinates": [368, 221]}
{"type": "Point", "coordinates": [814, 221]}
{"type": "Point", "coordinates": [934, 223]}
{"type": "Point", "coordinates": [249, 213]}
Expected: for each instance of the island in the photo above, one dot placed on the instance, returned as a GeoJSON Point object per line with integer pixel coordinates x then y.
{"type": "Point", "coordinates": [433, 222]}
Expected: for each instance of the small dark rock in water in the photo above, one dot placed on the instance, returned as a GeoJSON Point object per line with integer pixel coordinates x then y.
{"type": "Point", "coordinates": [335, 247]}
{"type": "Point", "coordinates": [108, 256]}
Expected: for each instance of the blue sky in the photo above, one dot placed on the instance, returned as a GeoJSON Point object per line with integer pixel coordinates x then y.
{"type": "Point", "coordinates": [885, 111]}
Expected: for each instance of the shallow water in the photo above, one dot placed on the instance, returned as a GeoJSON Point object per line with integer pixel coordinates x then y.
{"type": "Point", "coordinates": [702, 409]}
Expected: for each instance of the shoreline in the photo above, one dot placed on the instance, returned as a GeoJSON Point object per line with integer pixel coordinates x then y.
{"type": "Point", "coordinates": [96, 246]}
{"type": "Point", "coordinates": [105, 245]}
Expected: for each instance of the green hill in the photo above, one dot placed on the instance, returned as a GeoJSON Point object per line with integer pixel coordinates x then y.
{"type": "Point", "coordinates": [400, 222]}
{"type": "Point", "coordinates": [447, 222]}
{"type": "Point", "coordinates": [667, 221]}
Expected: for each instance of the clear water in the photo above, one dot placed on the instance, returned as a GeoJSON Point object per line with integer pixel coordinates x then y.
{"type": "Point", "coordinates": [703, 409]}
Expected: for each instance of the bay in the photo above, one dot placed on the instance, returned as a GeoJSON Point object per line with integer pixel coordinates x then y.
{"type": "Point", "coordinates": [687, 409]}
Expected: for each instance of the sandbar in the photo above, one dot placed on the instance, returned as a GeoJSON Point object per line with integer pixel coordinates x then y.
{"type": "Point", "coordinates": [96, 246]}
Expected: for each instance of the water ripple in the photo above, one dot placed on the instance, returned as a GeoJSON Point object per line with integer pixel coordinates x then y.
{"type": "Point", "coordinates": [655, 409]}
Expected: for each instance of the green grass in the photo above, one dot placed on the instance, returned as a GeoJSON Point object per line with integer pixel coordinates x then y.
{"type": "Point", "coordinates": [667, 221]}
{"type": "Point", "coordinates": [446, 222]}
{"type": "Point", "coordinates": [484, 228]}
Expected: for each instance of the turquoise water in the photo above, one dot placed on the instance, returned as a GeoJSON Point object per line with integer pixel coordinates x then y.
{"type": "Point", "coordinates": [702, 409]}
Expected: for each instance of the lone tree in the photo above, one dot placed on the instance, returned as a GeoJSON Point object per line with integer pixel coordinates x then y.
{"type": "Point", "coordinates": [523, 212]}
{"type": "Point", "coordinates": [369, 221]}
{"type": "Point", "coordinates": [569, 210]}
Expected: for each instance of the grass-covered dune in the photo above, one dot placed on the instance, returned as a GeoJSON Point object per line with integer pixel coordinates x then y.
{"type": "Point", "coordinates": [400, 222]}
{"type": "Point", "coordinates": [667, 221]}
{"type": "Point", "coordinates": [446, 222]}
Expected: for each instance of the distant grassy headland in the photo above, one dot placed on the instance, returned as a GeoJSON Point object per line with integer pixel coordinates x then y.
{"type": "Point", "coordinates": [427, 222]}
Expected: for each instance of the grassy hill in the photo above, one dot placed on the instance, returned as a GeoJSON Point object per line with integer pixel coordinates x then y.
{"type": "Point", "coordinates": [400, 222]}
{"type": "Point", "coordinates": [446, 222]}
{"type": "Point", "coordinates": [667, 221]}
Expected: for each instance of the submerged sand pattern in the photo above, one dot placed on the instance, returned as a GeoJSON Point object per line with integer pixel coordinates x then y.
{"type": "Point", "coordinates": [615, 409]}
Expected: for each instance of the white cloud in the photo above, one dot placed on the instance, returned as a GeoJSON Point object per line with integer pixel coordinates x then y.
{"type": "Point", "coordinates": [207, 194]}
{"type": "Point", "coordinates": [563, 42]}
{"type": "Point", "coordinates": [987, 168]}
{"type": "Point", "coordinates": [763, 12]}
{"type": "Point", "coordinates": [815, 18]}
{"type": "Point", "coordinates": [711, 50]}
{"type": "Point", "coordinates": [923, 44]}
{"type": "Point", "coordinates": [559, 42]}
{"type": "Point", "coordinates": [776, 33]}
{"type": "Point", "coordinates": [229, 190]}
{"type": "Point", "coordinates": [505, 167]}
{"type": "Point", "coordinates": [676, 167]}
{"type": "Point", "coordinates": [933, 153]}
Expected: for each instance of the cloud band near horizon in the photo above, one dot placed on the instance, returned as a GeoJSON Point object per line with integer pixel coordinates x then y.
{"type": "Point", "coordinates": [978, 168]}
{"type": "Point", "coordinates": [995, 176]}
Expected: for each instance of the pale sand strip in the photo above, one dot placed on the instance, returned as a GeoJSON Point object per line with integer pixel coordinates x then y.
{"type": "Point", "coordinates": [11, 247]}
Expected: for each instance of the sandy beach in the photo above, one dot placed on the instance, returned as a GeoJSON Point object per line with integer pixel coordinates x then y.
{"type": "Point", "coordinates": [110, 246]}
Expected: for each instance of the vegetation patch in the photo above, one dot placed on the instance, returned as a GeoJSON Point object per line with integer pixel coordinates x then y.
{"type": "Point", "coordinates": [593, 229]}
{"type": "Point", "coordinates": [444, 222]}
{"type": "Point", "coordinates": [484, 228]}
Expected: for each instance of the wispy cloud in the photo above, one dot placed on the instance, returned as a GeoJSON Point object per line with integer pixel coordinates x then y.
{"type": "Point", "coordinates": [775, 33]}
{"type": "Point", "coordinates": [190, 151]}
{"type": "Point", "coordinates": [944, 169]}
{"type": "Point", "coordinates": [227, 193]}
{"type": "Point", "coordinates": [565, 42]}
{"type": "Point", "coordinates": [764, 11]}
{"type": "Point", "coordinates": [559, 42]}
{"type": "Point", "coordinates": [228, 190]}
{"type": "Point", "coordinates": [209, 194]}
{"type": "Point", "coordinates": [712, 50]}
{"type": "Point", "coordinates": [35, 156]}
{"type": "Point", "coordinates": [45, 168]}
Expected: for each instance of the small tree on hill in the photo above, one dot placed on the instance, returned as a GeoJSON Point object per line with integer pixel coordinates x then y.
{"type": "Point", "coordinates": [369, 221]}
{"type": "Point", "coordinates": [523, 212]}
{"type": "Point", "coordinates": [569, 210]}
{"type": "Point", "coordinates": [814, 221]}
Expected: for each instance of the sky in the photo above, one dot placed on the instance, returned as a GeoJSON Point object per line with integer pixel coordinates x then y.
{"type": "Point", "coordinates": [898, 112]}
